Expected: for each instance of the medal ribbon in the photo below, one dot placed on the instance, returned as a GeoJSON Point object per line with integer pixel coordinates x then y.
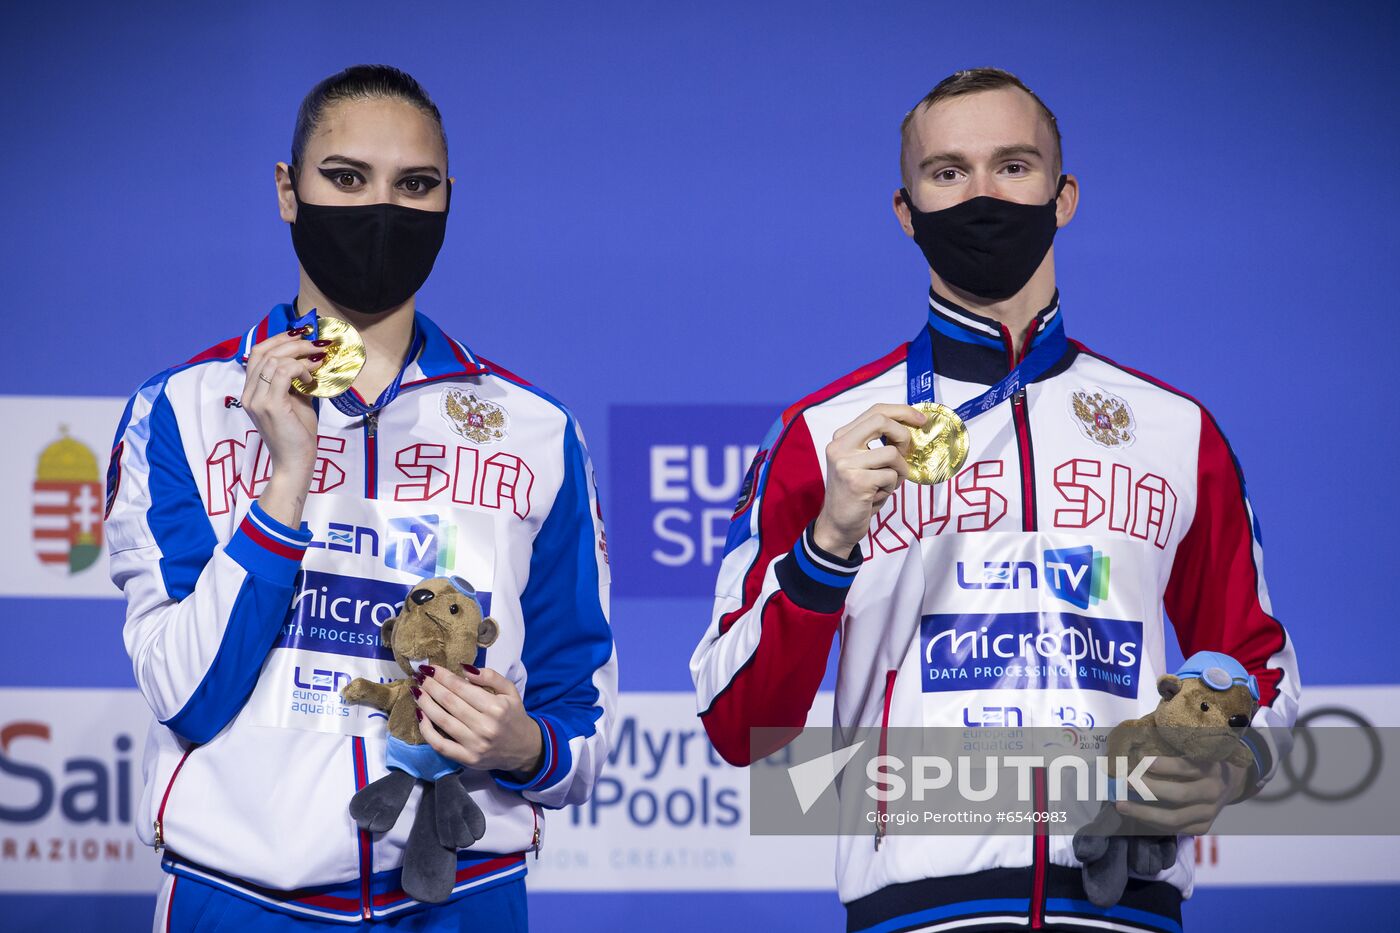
{"type": "Point", "coordinates": [1033, 365]}
{"type": "Point", "coordinates": [348, 403]}
{"type": "Point", "coordinates": [919, 363]}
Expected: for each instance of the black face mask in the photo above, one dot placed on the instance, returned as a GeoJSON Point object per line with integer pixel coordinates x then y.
{"type": "Point", "coordinates": [367, 257]}
{"type": "Point", "coordinates": [985, 246]}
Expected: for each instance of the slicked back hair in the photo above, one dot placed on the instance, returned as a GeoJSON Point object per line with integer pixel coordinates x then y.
{"type": "Point", "coordinates": [360, 82]}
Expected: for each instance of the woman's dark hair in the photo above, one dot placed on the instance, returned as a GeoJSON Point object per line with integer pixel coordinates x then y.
{"type": "Point", "coordinates": [360, 82]}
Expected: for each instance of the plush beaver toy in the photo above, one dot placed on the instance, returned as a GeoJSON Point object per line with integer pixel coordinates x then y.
{"type": "Point", "coordinates": [441, 624]}
{"type": "Point", "coordinates": [1204, 710]}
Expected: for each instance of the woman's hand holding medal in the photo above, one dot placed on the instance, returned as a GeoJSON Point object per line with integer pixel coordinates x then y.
{"type": "Point", "coordinates": [286, 420]}
{"type": "Point", "coordinates": [860, 477]}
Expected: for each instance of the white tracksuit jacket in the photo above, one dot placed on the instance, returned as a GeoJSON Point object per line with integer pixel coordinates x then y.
{"type": "Point", "coordinates": [1099, 463]}
{"type": "Point", "coordinates": [242, 631]}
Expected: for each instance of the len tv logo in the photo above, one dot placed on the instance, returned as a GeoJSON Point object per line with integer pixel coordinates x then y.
{"type": "Point", "coordinates": [1078, 575]}
{"type": "Point", "coordinates": [421, 545]}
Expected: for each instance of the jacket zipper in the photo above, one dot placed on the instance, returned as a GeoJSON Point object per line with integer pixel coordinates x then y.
{"type": "Point", "coordinates": [165, 798]}
{"type": "Point", "coordinates": [1021, 418]}
{"type": "Point", "coordinates": [1040, 846]}
{"type": "Point", "coordinates": [1041, 853]}
{"type": "Point", "coordinates": [366, 849]}
{"type": "Point", "coordinates": [536, 839]}
{"type": "Point", "coordinates": [364, 840]}
{"type": "Point", "coordinates": [1023, 445]}
{"type": "Point", "coordinates": [371, 427]}
{"type": "Point", "coordinates": [884, 734]}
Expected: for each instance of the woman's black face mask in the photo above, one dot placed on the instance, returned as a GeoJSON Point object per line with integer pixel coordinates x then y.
{"type": "Point", "coordinates": [367, 257]}
{"type": "Point", "coordinates": [985, 246]}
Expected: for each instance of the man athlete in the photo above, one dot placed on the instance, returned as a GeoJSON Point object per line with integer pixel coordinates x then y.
{"type": "Point", "coordinates": [1076, 465]}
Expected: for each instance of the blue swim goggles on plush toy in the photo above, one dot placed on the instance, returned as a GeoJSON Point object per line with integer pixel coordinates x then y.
{"type": "Point", "coordinates": [1218, 671]}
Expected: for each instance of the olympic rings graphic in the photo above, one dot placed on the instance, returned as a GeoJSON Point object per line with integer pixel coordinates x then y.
{"type": "Point", "coordinates": [1295, 782]}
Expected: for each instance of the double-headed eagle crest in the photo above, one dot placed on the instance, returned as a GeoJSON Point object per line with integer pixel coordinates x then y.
{"type": "Point", "coordinates": [1104, 418]}
{"type": "Point", "coordinates": [474, 418]}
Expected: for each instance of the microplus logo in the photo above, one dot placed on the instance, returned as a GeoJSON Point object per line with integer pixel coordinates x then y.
{"type": "Point", "coordinates": [1030, 650]}
{"type": "Point", "coordinates": [1078, 575]}
{"type": "Point", "coordinates": [342, 615]}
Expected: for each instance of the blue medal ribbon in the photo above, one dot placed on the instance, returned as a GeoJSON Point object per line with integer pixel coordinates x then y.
{"type": "Point", "coordinates": [349, 403]}
{"type": "Point", "coordinates": [1047, 353]}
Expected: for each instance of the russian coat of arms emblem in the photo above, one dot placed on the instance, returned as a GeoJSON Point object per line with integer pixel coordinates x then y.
{"type": "Point", "coordinates": [474, 418]}
{"type": "Point", "coordinates": [1104, 418]}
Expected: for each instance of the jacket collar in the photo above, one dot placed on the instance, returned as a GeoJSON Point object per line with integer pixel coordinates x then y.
{"type": "Point", "coordinates": [971, 347]}
{"type": "Point", "coordinates": [440, 358]}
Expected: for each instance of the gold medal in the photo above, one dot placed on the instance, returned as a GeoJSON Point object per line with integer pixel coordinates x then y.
{"type": "Point", "coordinates": [345, 357]}
{"type": "Point", "coordinates": [938, 449]}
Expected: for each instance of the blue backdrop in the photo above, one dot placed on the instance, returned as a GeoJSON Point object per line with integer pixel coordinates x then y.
{"type": "Point", "coordinates": [690, 204]}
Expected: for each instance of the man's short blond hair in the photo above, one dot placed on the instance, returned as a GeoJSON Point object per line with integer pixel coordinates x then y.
{"type": "Point", "coordinates": [970, 81]}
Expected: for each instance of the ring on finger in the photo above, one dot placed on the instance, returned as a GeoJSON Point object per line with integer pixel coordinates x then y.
{"type": "Point", "coordinates": [264, 379]}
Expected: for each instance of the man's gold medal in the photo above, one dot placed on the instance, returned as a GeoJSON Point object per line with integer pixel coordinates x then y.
{"type": "Point", "coordinates": [345, 357]}
{"type": "Point", "coordinates": [938, 449]}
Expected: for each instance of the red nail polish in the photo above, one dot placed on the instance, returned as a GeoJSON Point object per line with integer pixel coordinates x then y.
{"type": "Point", "coordinates": [316, 357]}
{"type": "Point", "coordinates": [470, 669]}
{"type": "Point", "coordinates": [427, 669]}
{"type": "Point", "coordinates": [322, 343]}
{"type": "Point", "coordinates": [416, 692]}
{"type": "Point", "coordinates": [418, 713]}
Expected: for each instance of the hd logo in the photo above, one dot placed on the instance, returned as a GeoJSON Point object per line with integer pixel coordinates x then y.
{"type": "Point", "coordinates": [1078, 575]}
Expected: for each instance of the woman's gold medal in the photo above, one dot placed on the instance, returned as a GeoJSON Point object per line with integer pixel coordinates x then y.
{"type": "Point", "coordinates": [345, 357]}
{"type": "Point", "coordinates": [938, 449]}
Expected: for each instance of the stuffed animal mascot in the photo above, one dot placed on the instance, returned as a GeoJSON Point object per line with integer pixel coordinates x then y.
{"type": "Point", "coordinates": [441, 624]}
{"type": "Point", "coordinates": [1204, 710]}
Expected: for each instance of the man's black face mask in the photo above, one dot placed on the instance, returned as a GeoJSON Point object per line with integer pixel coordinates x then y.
{"type": "Point", "coordinates": [367, 257]}
{"type": "Point", "coordinates": [985, 246]}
